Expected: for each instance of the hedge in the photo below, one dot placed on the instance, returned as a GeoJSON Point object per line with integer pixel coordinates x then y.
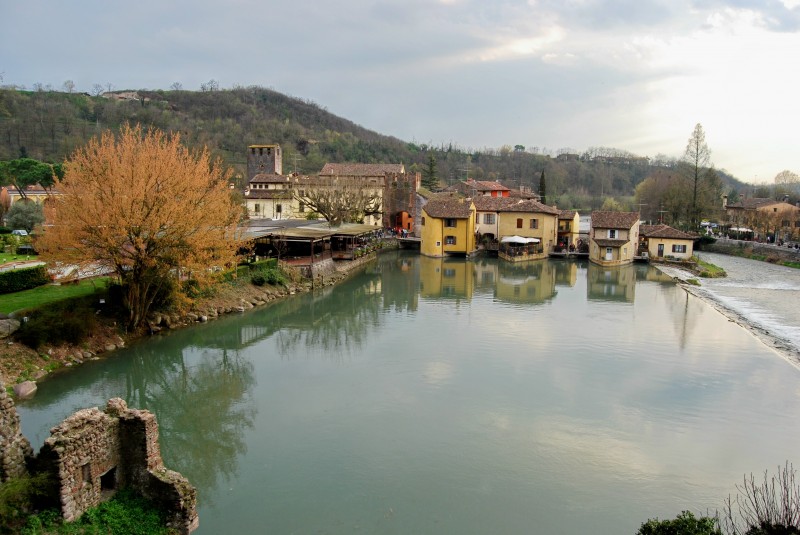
{"type": "Point", "coordinates": [17, 280]}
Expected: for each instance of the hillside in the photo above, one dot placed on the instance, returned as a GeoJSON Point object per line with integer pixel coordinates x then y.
{"type": "Point", "coordinates": [49, 125]}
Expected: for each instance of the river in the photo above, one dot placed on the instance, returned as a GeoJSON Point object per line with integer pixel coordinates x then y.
{"type": "Point", "coordinates": [456, 396]}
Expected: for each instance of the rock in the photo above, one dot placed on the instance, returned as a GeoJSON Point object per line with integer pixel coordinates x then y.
{"type": "Point", "coordinates": [8, 326]}
{"type": "Point", "coordinates": [110, 347]}
{"type": "Point", "coordinates": [191, 317]}
{"type": "Point", "coordinates": [203, 319]}
{"type": "Point", "coordinates": [87, 354]}
{"type": "Point", "coordinates": [25, 390]}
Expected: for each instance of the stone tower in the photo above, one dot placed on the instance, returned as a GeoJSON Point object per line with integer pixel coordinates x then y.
{"type": "Point", "coordinates": [265, 159]}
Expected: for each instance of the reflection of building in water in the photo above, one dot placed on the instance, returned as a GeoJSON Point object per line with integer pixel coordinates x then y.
{"type": "Point", "coordinates": [611, 283]}
{"type": "Point", "coordinates": [528, 282]}
{"type": "Point", "coordinates": [446, 277]}
{"type": "Point", "coordinates": [646, 272]}
{"type": "Point", "coordinates": [566, 272]}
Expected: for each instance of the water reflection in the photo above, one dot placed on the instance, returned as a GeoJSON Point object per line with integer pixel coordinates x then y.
{"type": "Point", "coordinates": [450, 278]}
{"type": "Point", "coordinates": [611, 283]}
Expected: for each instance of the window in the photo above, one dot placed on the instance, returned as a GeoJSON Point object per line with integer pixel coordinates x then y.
{"type": "Point", "coordinates": [302, 207]}
{"type": "Point", "coordinates": [797, 224]}
{"type": "Point", "coordinates": [278, 208]}
{"type": "Point", "coordinates": [534, 223]}
{"type": "Point", "coordinates": [450, 240]}
{"type": "Point", "coordinates": [449, 272]}
{"type": "Point", "coordinates": [423, 221]}
{"type": "Point", "coordinates": [785, 223]}
{"type": "Point", "coordinates": [86, 473]}
{"type": "Point", "coordinates": [678, 248]}
{"type": "Point", "coordinates": [258, 208]}
{"type": "Point", "coordinates": [519, 222]}
{"type": "Point", "coordinates": [612, 234]}
{"type": "Point", "coordinates": [488, 219]}
{"type": "Point", "coordinates": [449, 222]}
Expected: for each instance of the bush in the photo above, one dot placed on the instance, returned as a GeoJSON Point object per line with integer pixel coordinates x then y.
{"type": "Point", "coordinates": [18, 497]}
{"type": "Point", "coordinates": [17, 280]}
{"type": "Point", "coordinates": [684, 524]}
{"type": "Point", "coordinates": [768, 508]}
{"type": "Point", "coordinates": [70, 321]}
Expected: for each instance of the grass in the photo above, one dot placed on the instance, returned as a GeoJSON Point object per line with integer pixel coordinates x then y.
{"type": "Point", "coordinates": [6, 258]}
{"type": "Point", "coordinates": [693, 282]}
{"type": "Point", "coordinates": [709, 270]}
{"type": "Point", "coordinates": [50, 293]}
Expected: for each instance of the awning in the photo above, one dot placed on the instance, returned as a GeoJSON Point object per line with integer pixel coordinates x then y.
{"type": "Point", "coordinates": [518, 239]}
{"type": "Point", "coordinates": [740, 229]}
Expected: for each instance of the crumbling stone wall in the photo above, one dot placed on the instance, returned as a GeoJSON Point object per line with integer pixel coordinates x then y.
{"type": "Point", "coordinates": [15, 449]}
{"type": "Point", "coordinates": [93, 453]}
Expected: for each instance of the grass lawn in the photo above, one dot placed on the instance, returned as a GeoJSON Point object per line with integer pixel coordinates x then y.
{"type": "Point", "coordinates": [5, 258]}
{"type": "Point", "coordinates": [49, 293]}
{"type": "Point", "coordinates": [709, 270]}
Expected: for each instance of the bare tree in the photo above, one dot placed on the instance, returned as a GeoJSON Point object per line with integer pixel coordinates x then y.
{"type": "Point", "coordinates": [176, 86]}
{"type": "Point", "coordinates": [771, 507]}
{"type": "Point", "coordinates": [97, 90]}
{"type": "Point", "coordinates": [342, 201]}
{"type": "Point", "coordinates": [696, 158]}
{"type": "Point", "coordinates": [69, 86]}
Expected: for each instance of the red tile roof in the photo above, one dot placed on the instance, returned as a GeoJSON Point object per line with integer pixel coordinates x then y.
{"type": "Point", "coordinates": [624, 220]}
{"type": "Point", "coordinates": [265, 178]}
{"type": "Point", "coordinates": [450, 208]}
{"type": "Point", "coordinates": [567, 214]}
{"type": "Point", "coordinates": [509, 204]}
{"type": "Point", "coordinates": [663, 231]}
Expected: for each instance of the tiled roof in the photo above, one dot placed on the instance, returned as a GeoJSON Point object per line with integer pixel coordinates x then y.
{"type": "Point", "coordinates": [362, 169]}
{"type": "Point", "coordinates": [567, 214]}
{"type": "Point", "coordinates": [663, 231]}
{"type": "Point", "coordinates": [752, 203]}
{"type": "Point", "coordinates": [454, 208]}
{"type": "Point", "coordinates": [265, 178]}
{"type": "Point", "coordinates": [509, 204]}
{"type": "Point", "coordinates": [624, 220]}
{"type": "Point", "coordinates": [485, 185]}
{"type": "Point", "coordinates": [523, 194]}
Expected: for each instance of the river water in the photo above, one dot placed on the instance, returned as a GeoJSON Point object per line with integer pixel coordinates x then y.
{"type": "Point", "coordinates": [454, 396]}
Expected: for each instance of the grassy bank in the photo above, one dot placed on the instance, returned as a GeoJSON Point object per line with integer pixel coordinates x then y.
{"type": "Point", "coordinates": [50, 293]}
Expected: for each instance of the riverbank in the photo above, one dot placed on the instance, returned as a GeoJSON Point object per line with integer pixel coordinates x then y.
{"type": "Point", "coordinates": [20, 363]}
{"type": "Point", "coordinates": [752, 306]}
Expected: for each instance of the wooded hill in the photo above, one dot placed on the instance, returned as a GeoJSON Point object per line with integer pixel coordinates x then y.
{"type": "Point", "coordinates": [49, 125]}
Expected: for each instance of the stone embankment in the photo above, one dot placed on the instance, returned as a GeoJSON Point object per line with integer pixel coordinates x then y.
{"type": "Point", "coordinates": [19, 363]}
{"type": "Point", "coordinates": [773, 253]}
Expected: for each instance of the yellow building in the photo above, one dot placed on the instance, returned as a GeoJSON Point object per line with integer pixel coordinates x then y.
{"type": "Point", "coordinates": [448, 227]}
{"type": "Point", "coordinates": [613, 238]}
{"type": "Point", "coordinates": [663, 241]}
{"type": "Point", "coordinates": [766, 217]}
{"type": "Point", "coordinates": [446, 277]}
{"type": "Point", "coordinates": [568, 228]}
{"type": "Point", "coordinates": [530, 220]}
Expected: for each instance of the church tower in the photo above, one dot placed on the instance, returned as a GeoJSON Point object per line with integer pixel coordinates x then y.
{"type": "Point", "coordinates": [264, 159]}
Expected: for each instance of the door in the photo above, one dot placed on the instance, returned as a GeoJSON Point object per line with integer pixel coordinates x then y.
{"type": "Point", "coordinates": [609, 254]}
{"type": "Point", "coordinates": [660, 250]}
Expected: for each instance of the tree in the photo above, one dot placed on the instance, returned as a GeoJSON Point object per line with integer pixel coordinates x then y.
{"type": "Point", "coordinates": [25, 215]}
{"type": "Point", "coordinates": [611, 205]}
{"type": "Point", "coordinates": [24, 172]}
{"type": "Point", "coordinates": [69, 86]}
{"type": "Point", "coordinates": [147, 207]}
{"type": "Point", "coordinates": [696, 159]}
{"type": "Point", "coordinates": [342, 201]}
{"type": "Point", "coordinates": [543, 188]}
{"type": "Point", "coordinates": [429, 178]}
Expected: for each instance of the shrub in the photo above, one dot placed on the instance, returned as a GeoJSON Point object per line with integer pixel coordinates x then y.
{"type": "Point", "coordinates": [23, 279]}
{"type": "Point", "coordinates": [70, 321]}
{"type": "Point", "coordinates": [768, 508]}
{"type": "Point", "coordinates": [684, 524]}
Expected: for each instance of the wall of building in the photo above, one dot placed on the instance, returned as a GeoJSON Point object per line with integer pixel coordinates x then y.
{"type": "Point", "coordinates": [653, 243]}
{"type": "Point", "coordinates": [14, 447]}
{"type": "Point", "coordinates": [545, 231]}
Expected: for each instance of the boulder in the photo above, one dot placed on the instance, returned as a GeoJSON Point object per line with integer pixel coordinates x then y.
{"type": "Point", "coordinates": [8, 326]}
{"type": "Point", "coordinates": [25, 389]}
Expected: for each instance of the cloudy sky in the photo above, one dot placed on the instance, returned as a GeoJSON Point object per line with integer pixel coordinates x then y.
{"type": "Point", "coordinates": [635, 75]}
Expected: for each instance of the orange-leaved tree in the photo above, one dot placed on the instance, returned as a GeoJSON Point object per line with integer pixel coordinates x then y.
{"type": "Point", "coordinates": [145, 206]}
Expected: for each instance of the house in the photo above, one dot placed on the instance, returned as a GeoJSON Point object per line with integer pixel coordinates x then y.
{"type": "Point", "coordinates": [613, 238]}
{"type": "Point", "coordinates": [448, 227]}
{"type": "Point", "coordinates": [271, 196]}
{"type": "Point", "coordinates": [778, 220]}
{"type": "Point", "coordinates": [568, 229]}
{"type": "Point", "coordinates": [663, 241]}
{"type": "Point", "coordinates": [526, 229]}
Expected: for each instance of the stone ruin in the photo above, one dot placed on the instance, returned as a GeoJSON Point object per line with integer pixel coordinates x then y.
{"type": "Point", "coordinates": [93, 453]}
{"type": "Point", "coordinates": [15, 449]}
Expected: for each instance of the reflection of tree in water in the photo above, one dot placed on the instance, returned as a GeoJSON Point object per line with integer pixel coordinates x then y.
{"type": "Point", "coordinates": [399, 281]}
{"type": "Point", "coordinates": [198, 398]}
{"type": "Point", "coordinates": [335, 322]}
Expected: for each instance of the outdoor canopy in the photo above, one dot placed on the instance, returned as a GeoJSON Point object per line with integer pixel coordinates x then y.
{"type": "Point", "coordinates": [518, 239]}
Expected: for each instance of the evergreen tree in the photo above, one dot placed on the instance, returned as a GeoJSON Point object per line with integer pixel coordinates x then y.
{"type": "Point", "coordinates": [543, 188]}
{"type": "Point", "coordinates": [429, 179]}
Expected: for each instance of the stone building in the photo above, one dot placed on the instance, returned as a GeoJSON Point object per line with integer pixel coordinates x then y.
{"type": "Point", "coordinates": [93, 453]}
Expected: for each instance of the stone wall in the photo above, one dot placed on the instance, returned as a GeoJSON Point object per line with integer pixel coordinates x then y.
{"type": "Point", "coordinates": [93, 453]}
{"type": "Point", "coordinates": [735, 247]}
{"type": "Point", "coordinates": [15, 449]}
